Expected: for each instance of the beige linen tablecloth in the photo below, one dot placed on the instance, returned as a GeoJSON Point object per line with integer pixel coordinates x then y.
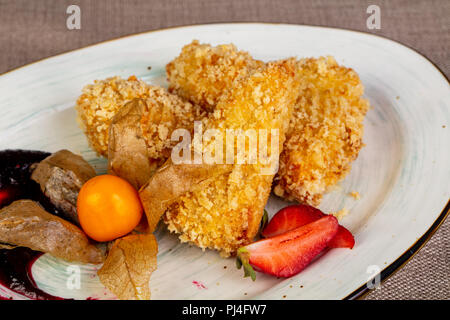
{"type": "Point", "coordinates": [32, 30]}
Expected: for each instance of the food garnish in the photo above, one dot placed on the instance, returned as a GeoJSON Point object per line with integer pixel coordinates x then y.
{"type": "Point", "coordinates": [16, 265]}
{"type": "Point", "coordinates": [129, 265]}
{"type": "Point", "coordinates": [25, 223]}
{"type": "Point", "coordinates": [289, 253]}
{"type": "Point", "coordinates": [296, 216]}
{"type": "Point", "coordinates": [128, 156]}
{"type": "Point", "coordinates": [61, 176]}
{"type": "Point", "coordinates": [172, 181]}
{"type": "Point", "coordinates": [343, 239]}
{"type": "Point", "coordinates": [108, 208]}
{"type": "Point", "coordinates": [264, 221]}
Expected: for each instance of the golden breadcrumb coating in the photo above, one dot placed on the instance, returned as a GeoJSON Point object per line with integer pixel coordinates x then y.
{"type": "Point", "coordinates": [201, 73]}
{"type": "Point", "coordinates": [355, 195]}
{"type": "Point", "coordinates": [326, 127]}
{"type": "Point", "coordinates": [98, 104]}
{"type": "Point", "coordinates": [340, 214]}
{"type": "Point", "coordinates": [100, 101]}
{"type": "Point", "coordinates": [325, 133]}
{"type": "Point", "coordinates": [226, 213]}
{"type": "Point", "coordinates": [166, 112]}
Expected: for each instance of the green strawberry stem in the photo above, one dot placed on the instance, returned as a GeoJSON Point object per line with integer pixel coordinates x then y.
{"type": "Point", "coordinates": [242, 259]}
{"type": "Point", "coordinates": [264, 221]}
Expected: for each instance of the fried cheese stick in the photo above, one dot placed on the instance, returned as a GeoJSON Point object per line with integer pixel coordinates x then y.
{"type": "Point", "coordinates": [326, 129]}
{"type": "Point", "coordinates": [325, 133]}
{"type": "Point", "coordinates": [225, 212]}
{"type": "Point", "coordinates": [164, 112]}
{"type": "Point", "coordinates": [202, 73]}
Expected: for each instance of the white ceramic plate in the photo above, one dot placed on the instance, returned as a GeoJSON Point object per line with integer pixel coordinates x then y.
{"type": "Point", "coordinates": [403, 173]}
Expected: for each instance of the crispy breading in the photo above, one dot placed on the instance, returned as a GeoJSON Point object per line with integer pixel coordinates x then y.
{"type": "Point", "coordinates": [325, 133]}
{"type": "Point", "coordinates": [164, 113]}
{"type": "Point", "coordinates": [225, 213]}
{"type": "Point", "coordinates": [98, 104]}
{"type": "Point", "coordinates": [326, 129]}
{"type": "Point", "coordinates": [100, 101]}
{"type": "Point", "coordinates": [202, 73]}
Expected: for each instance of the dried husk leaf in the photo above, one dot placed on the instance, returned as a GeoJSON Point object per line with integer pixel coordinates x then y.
{"type": "Point", "coordinates": [6, 246]}
{"type": "Point", "coordinates": [127, 149]}
{"type": "Point", "coordinates": [129, 265]}
{"type": "Point", "coordinates": [61, 176]}
{"type": "Point", "coordinates": [25, 223]}
{"type": "Point", "coordinates": [171, 181]}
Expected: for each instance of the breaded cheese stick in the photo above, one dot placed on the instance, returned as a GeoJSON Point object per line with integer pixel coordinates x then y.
{"type": "Point", "coordinates": [202, 73]}
{"type": "Point", "coordinates": [225, 212]}
{"type": "Point", "coordinates": [164, 112]}
{"type": "Point", "coordinates": [325, 133]}
{"type": "Point", "coordinates": [326, 129]}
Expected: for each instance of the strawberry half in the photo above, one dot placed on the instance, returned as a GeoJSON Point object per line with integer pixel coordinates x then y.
{"type": "Point", "coordinates": [343, 239]}
{"type": "Point", "coordinates": [289, 253]}
{"type": "Point", "coordinates": [296, 216]}
{"type": "Point", "coordinates": [290, 218]}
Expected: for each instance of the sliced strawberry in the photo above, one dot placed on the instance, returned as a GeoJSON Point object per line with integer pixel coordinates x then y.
{"type": "Point", "coordinates": [290, 218]}
{"type": "Point", "coordinates": [289, 253]}
{"type": "Point", "coordinates": [343, 239]}
{"type": "Point", "coordinates": [296, 216]}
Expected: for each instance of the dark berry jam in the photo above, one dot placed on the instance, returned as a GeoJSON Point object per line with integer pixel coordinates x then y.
{"type": "Point", "coordinates": [15, 184]}
{"type": "Point", "coordinates": [15, 273]}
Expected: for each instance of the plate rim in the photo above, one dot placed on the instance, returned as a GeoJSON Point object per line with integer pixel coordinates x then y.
{"type": "Point", "coordinates": [404, 258]}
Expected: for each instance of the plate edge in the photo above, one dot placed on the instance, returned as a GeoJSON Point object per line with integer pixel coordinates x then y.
{"type": "Point", "coordinates": [407, 256]}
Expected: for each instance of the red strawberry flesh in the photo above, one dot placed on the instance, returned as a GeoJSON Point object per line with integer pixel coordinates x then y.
{"type": "Point", "coordinates": [289, 253]}
{"type": "Point", "coordinates": [296, 216]}
{"type": "Point", "coordinates": [343, 239]}
{"type": "Point", "coordinates": [290, 218]}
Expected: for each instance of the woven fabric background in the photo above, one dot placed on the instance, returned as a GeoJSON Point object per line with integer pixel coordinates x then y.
{"type": "Point", "coordinates": [32, 30]}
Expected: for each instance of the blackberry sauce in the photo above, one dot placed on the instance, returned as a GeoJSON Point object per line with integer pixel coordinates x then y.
{"type": "Point", "coordinates": [16, 184]}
